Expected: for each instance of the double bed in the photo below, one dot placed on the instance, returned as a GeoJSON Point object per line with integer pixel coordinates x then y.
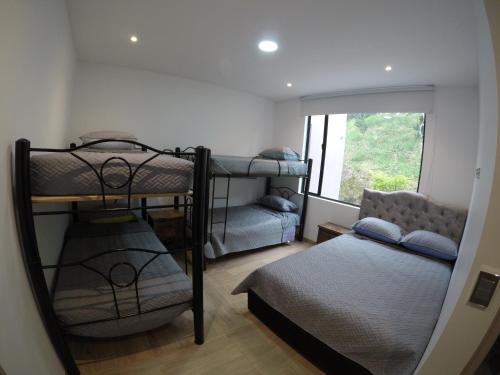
{"type": "Point", "coordinates": [356, 305]}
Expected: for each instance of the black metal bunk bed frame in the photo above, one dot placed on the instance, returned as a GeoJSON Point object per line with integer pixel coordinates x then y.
{"type": "Point", "coordinates": [285, 192]}
{"type": "Point", "coordinates": [29, 246]}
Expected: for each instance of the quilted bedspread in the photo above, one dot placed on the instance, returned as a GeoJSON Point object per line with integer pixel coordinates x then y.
{"type": "Point", "coordinates": [249, 227]}
{"type": "Point", "coordinates": [65, 174]}
{"type": "Point", "coordinates": [370, 302]}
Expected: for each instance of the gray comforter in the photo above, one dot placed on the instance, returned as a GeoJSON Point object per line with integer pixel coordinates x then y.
{"type": "Point", "coordinates": [82, 295]}
{"type": "Point", "coordinates": [64, 174]}
{"type": "Point", "coordinates": [373, 303]}
{"type": "Point", "coordinates": [249, 227]}
{"type": "Point", "coordinates": [222, 165]}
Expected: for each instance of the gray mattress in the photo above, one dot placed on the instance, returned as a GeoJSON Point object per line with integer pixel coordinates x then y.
{"type": "Point", "coordinates": [82, 295]}
{"type": "Point", "coordinates": [63, 174]}
{"type": "Point", "coordinates": [238, 166]}
{"type": "Point", "coordinates": [250, 227]}
{"type": "Point", "coordinates": [371, 302]}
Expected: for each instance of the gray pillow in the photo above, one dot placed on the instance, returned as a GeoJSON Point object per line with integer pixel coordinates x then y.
{"type": "Point", "coordinates": [278, 203]}
{"type": "Point", "coordinates": [109, 134]}
{"type": "Point", "coordinates": [280, 153]}
{"type": "Point", "coordinates": [378, 229]}
{"type": "Point", "coordinates": [431, 243]}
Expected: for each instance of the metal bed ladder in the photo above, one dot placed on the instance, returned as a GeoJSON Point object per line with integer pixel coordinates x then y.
{"type": "Point", "coordinates": [226, 198]}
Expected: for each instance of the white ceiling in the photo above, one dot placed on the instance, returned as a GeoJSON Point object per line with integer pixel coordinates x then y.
{"type": "Point", "coordinates": [325, 45]}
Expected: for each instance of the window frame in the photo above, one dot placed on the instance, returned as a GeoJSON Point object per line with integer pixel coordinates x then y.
{"type": "Point", "coordinates": [324, 146]}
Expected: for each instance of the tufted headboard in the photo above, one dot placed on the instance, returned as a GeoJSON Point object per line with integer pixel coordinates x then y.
{"type": "Point", "coordinates": [413, 211]}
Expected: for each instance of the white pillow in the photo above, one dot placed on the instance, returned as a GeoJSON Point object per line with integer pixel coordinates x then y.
{"type": "Point", "coordinates": [109, 134]}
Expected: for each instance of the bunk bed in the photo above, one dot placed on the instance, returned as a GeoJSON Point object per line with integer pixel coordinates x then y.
{"type": "Point", "coordinates": [239, 228]}
{"type": "Point", "coordinates": [112, 278]}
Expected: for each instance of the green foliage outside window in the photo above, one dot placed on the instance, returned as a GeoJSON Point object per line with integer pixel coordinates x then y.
{"type": "Point", "coordinates": [382, 151]}
{"type": "Point", "coordinates": [381, 181]}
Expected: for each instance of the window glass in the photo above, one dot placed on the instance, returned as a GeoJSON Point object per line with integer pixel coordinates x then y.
{"type": "Point", "coordinates": [315, 149]}
{"type": "Point", "coordinates": [381, 151]}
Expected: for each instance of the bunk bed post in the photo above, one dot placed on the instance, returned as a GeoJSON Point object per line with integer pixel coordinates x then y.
{"type": "Point", "coordinates": [144, 212]}
{"type": "Point", "coordinates": [199, 224]}
{"type": "Point", "coordinates": [32, 261]}
{"type": "Point", "coordinates": [207, 210]}
{"type": "Point", "coordinates": [176, 199]}
{"type": "Point", "coordinates": [207, 202]}
{"type": "Point", "coordinates": [268, 185]}
{"type": "Point", "coordinates": [305, 201]}
{"type": "Point", "coordinates": [74, 205]}
{"type": "Point", "coordinates": [227, 204]}
{"type": "Point", "coordinates": [214, 178]}
{"type": "Point", "coordinates": [144, 201]}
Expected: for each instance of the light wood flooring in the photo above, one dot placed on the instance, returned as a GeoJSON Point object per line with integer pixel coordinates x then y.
{"type": "Point", "coordinates": [236, 342]}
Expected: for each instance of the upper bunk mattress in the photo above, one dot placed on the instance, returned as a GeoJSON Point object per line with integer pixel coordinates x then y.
{"type": "Point", "coordinates": [371, 302]}
{"type": "Point", "coordinates": [64, 174]}
{"type": "Point", "coordinates": [249, 227]}
{"type": "Point", "coordinates": [83, 295]}
{"type": "Point", "coordinates": [238, 166]}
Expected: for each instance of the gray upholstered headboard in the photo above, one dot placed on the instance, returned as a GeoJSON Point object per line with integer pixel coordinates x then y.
{"type": "Point", "coordinates": [413, 211]}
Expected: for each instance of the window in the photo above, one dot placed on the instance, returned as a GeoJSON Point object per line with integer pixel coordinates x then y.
{"type": "Point", "coordinates": [353, 151]}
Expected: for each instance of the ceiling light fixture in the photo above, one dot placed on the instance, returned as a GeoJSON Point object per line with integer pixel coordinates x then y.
{"type": "Point", "coordinates": [289, 84]}
{"type": "Point", "coordinates": [388, 68]}
{"type": "Point", "coordinates": [268, 46]}
{"type": "Point", "coordinates": [134, 38]}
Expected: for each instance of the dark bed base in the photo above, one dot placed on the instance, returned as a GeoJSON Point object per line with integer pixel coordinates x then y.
{"type": "Point", "coordinates": [318, 353]}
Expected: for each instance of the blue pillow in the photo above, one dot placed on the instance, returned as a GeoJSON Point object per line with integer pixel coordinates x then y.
{"type": "Point", "coordinates": [431, 243]}
{"type": "Point", "coordinates": [278, 203]}
{"type": "Point", "coordinates": [378, 229]}
{"type": "Point", "coordinates": [280, 153]}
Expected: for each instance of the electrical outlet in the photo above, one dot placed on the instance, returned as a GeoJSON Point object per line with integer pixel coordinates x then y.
{"type": "Point", "coordinates": [478, 173]}
{"type": "Point", "coordinates": [484, 289]}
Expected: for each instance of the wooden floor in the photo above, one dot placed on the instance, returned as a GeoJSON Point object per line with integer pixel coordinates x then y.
{"type": "Point", "coordinates": [236, 342]}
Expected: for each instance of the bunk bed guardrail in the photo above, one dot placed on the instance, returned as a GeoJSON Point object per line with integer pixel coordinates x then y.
{"type": "Point", "coordinates": [197, 203]}
{"type": "Point", "coordinates": [114, 283]}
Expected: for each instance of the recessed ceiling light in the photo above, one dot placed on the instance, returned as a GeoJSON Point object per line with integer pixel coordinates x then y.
{"type": "Point", "coordinates": [289, 84]}
{"type": "Point", "coordinates": [388, 68]}
{"type": "Point", "coordinates": [134, 38]}
{"type": "Point", "coordinates": [268, 46]}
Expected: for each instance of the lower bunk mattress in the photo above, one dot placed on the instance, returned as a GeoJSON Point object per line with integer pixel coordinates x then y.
{"type": "Point", "coordinates": [106, 258]}
{"type": "Point", "coordinates": [374, 303]}
{"type": "Point", "coordinates": [249, 227]}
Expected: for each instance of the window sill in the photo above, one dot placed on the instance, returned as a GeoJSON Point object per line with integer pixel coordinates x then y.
{"type": "Point", "coordinates": [345, 204]}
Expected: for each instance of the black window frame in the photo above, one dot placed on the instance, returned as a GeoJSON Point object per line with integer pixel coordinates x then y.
{"type": "Point", "coordinates": [324, 146]}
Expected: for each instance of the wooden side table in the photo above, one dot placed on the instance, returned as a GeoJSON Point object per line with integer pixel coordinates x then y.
{"type": "Point", "coordinates": [329, 230]}
{"type": "Point", "coordinates": [168, 225]}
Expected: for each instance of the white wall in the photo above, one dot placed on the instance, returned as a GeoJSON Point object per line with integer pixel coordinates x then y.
{"type": "Point", "coordinates": [36, 72]}
{"type": "Point", "coordinates": [449, 153]}
{"type": "Point", "coordinates": [451, 146]}
{"type": "Point", "coordinates": [461, 326]}
{"type": "Point", "coordinates": [168, 111]}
